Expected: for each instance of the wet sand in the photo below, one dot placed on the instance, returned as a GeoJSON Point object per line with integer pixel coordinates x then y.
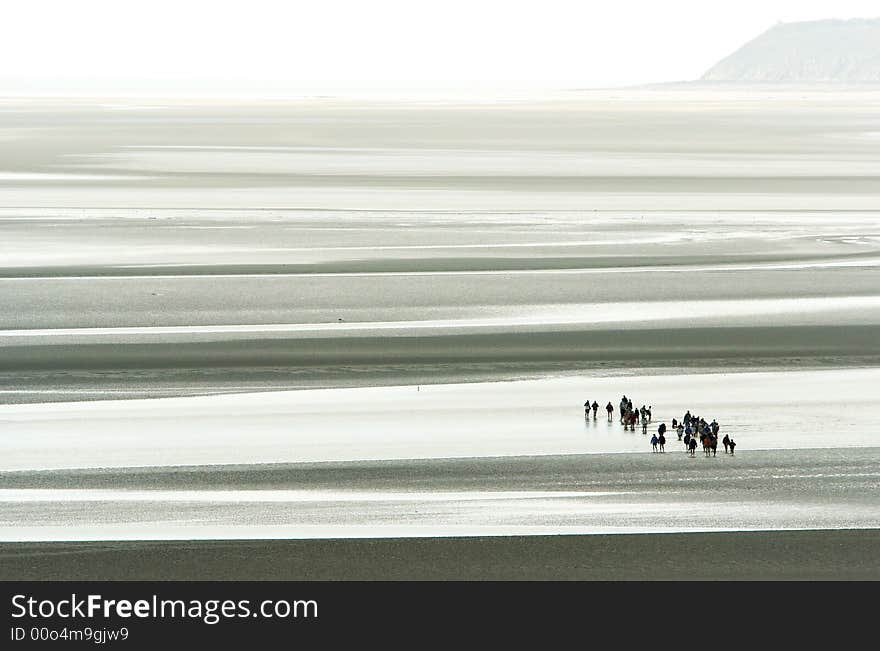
{"type": "Point", "coordinates": [697, 250]}
{"type": "Point", "coordinates": [758, 515]}
{"type": "Point", "coordinates": [465, 242]}
{"type": "Point", "coordinates": [764, 555]}
{"type": "Point", "coordinates": [830, 488]}
{"type": "Point", "coordinates": [644, 150]}
{"type": "Point", "coordinates": [777, 409]}
{"type": "Point", "coordinates": [376, 243]}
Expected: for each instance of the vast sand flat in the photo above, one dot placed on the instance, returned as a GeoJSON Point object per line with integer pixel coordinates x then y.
{"type": "Point", "coordinates": [829, 488]}
{"type": "Point", "coordinates": [194, 247]}
{"type": "Point", "coordinates": [796, 515]}
{"type": "Point", "coordinates": [765, 555]}
{"type": "Point", "coordinates": [642, 150]}
{"type": "Point", "coordinates": [783, 409]}
{"type": "Point", "coordinates": [325, 299]}
{"type": "Point", "coordinates": [452, 281]}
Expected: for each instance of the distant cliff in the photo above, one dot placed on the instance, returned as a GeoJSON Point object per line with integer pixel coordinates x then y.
{"type": "Point", "coordinates": [825, 51]}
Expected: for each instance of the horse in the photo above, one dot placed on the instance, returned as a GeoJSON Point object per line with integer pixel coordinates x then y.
{"type": "Point", "coordinates": [707, 445]}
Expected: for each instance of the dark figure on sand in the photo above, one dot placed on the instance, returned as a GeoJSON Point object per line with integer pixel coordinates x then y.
{"type": "Point", "coordinates": [726, 441]}
{"type": "Point", "coordinates": [654, 442]}
{"type": "Point", "coordinates": [692, 447]}
{"type": "Point", "coordinates": [732, 445]}
{"type": "Point", "coordinates": [661, 441]}
{"type": "Point", "coordinates": [610, 409]}
{"type": "Point", "coordinates": [595, 409]}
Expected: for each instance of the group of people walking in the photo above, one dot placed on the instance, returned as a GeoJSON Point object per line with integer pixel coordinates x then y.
{"type": "Point", "coordinates": [689, 429]}
{"type": "Point", "coordinates": [629, 415]}
{"type": "Point", "coordinates": [692, 427]}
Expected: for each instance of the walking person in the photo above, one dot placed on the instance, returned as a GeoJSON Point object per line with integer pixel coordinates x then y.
{"type": "Point", "coordinates": [595, 409]}
{"type": "Point", "coordinates": [610, 409]}
{"type": "Point", "coordinates": [692, 446]}
{"type": "Point", "coordinates": [661, 441]}
{"type": "Point", "coordinates": [732, 445]}
{"type": "Point", "coordinates": [726, 441]}
{"type": "Point", "coordinates": [654, 441]}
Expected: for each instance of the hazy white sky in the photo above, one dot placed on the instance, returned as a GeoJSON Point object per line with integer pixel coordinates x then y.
{"type": "Point", "coordinates": [400, 44]}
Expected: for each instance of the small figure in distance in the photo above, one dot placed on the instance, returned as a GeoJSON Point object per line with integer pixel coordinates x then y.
{"type": "Point", "coordinates": [610, 409]}
{"type": "Point", "coordinates": [661, 441]}
{"type": "Point", "coordinates": [732, 445]}
{"type": "Point", "coordinates": [587, 409]}
{"type": "Point", "coordinates": [649, 413]}
{"type": "Point", "coordinates": [595, 409]}
{"type": "Point", "coordinates": [726, 441]}
{"type": "Point", "coordinates": [692, 446]}
{"type": "Point", "coordinates": [644, 427]}
{"type": "Point", "coordinates": [654, 441]}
